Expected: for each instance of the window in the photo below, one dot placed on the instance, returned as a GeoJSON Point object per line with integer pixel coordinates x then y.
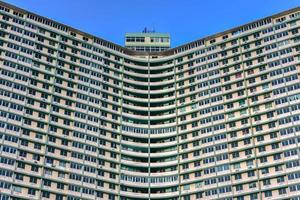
{"type": "Point", "coordinates": [260, 138]}
{"type": "Point", "coordinates": [31, 191]}
{"type": "Point", "coordinates": [282, 191]}
{"type": "Point", "coordinates": [17, 189]}
{"type": "Point", "coordinates": [263, 159]}
{"type": "Point", "coordinates": [33, 179]}
{"type": "Point", "coordinates": [19, 177]}
{"type": "Point", "coordinates": [46, 194]}
{"type": "Point", "coordinates": [264, 170]}
{"type": "Point", "coordinates": [280, 179]}
{"type": "Point", "coordinates": [251, 173]}
{"type": "Point", "coordinates": [239, 187]}
{"type": "Point", "coordinates": [186, 176]}
{"type": "Point", "coordinates": [253, 196]}
{"type": "Point", "coordinates": [266, 182]}
{"type": "Point", "coordinates": [238, 176]}
{"type": "Point", "coordinates": [268, 193]}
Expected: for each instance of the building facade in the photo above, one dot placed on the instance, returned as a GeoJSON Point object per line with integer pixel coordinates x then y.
{"type": "Point", "coordinates": [83, 118]}
{"type": "Point", "coordinates": [147, 41]}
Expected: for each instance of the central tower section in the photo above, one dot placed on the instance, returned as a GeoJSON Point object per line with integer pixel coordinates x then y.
{"type": "Point", "coordinates": [149, 142]}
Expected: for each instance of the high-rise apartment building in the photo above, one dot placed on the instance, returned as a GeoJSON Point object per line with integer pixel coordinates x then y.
{"type": "Point", "coordinates": [147, 41]}
{"type": "Point", "coordinates": [83, 118]}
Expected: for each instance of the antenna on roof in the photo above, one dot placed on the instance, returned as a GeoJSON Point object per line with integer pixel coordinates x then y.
{"type": "Point", "coordinates": [146, 30]}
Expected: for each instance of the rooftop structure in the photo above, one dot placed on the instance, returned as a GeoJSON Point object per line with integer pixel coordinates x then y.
{"type": "Point", "coordinates": [147, 41]}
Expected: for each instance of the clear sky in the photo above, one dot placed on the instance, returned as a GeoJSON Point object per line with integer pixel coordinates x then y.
{"type": "Point", "coordinates": [185, 20]}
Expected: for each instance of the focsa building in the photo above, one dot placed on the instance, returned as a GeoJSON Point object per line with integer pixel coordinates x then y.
{"type": "Point", "coordinates": [84, 118]}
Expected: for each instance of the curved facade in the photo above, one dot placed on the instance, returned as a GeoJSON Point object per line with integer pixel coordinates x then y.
{"type": "Point", "coordinates": [83, 118]}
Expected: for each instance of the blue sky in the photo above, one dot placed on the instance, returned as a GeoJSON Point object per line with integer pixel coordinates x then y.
{"type": "Point", "coordinates": [185, 20]}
